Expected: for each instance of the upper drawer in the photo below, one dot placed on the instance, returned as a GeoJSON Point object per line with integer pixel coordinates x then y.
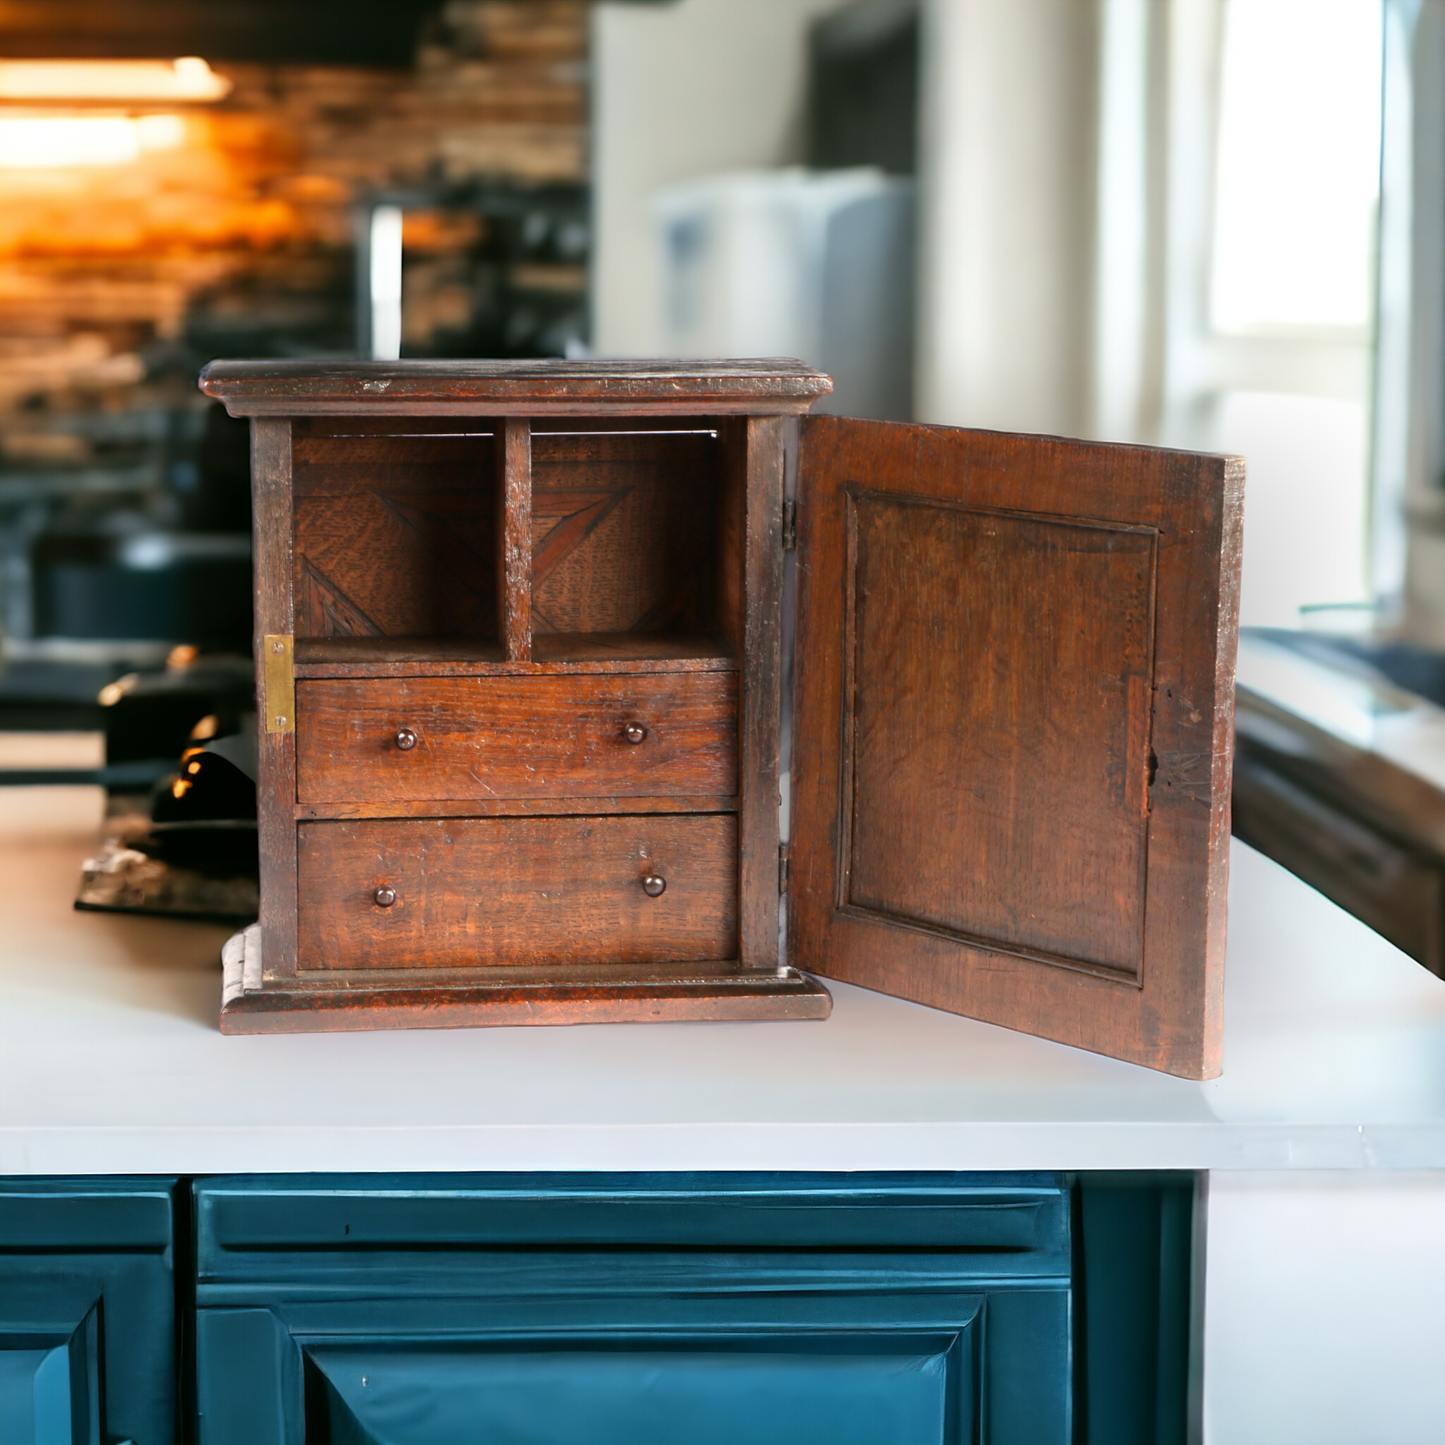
{"type": "Point", "coordinates": [462, 738]}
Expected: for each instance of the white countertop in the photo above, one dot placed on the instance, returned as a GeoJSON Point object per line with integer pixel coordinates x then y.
{"type": "Point", "coordinates": [110, 1062]}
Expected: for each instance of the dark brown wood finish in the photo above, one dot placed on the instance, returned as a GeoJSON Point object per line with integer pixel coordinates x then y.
{"type": "Point", "coordinates": [275, 751]}
{"type": "Point", "coordinates": [526, 737]}
{"type": "Point", "coordinates": [472, 892]}
{"type": "Point", "coordinates": [516, 807]}
{"type": "Point", "coordinates": [624, 530]}
{"type": "Point", "coordinates": [396, 536]}
{"type": "Point", "coordinates": [514, 388]}
{"type": "Point", "coordinates": [757, 451]}
{"type": "Point", "coordinates": [1011, 757]}
{"type": "Point", "coordinates": [514, 528]}
{"type": "Point", "coordinates": [553, 654]}
{"type": "Point", "coordinates": [580, 997]}
{"type": "Point", "coordinates": [1013, 688]}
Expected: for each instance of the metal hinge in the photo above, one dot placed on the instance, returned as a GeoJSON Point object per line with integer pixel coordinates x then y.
{"type": "Point", "coordinates": [785, 867]}
{"type": "Point", "coordinates": [790, 526]}
{"type": "Point", "coordinates": [279, 678]}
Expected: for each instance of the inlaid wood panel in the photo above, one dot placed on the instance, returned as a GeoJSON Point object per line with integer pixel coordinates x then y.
{"type": "Point", "coordinates": [1000, 667]}
{"type": "Point", "coordinates": [525, 737]}
{"type": "Point", "coordinates": [479, 892]}
{"type": "Point", "coordinates": [396, 536]}
{"type": "Point", "coordinates": [624, 531]}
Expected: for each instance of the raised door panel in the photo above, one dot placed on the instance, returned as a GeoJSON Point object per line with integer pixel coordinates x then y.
{"type": "Point", "coordinates": [1011, 759]}
{"type": "Point", "coordinates": [858, 1390]}
{"type": "Point", "coordinates": [88, 1338]}
{"type": "Point", "coordinates": [923, 1309]}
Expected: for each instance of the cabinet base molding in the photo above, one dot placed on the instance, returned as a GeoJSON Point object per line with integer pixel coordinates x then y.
{"type": "Point", "coordinates": [743, 995]}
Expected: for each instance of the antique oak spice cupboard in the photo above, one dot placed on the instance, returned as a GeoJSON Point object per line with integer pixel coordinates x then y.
{"type": "Point", "coordinates": [520, 648]}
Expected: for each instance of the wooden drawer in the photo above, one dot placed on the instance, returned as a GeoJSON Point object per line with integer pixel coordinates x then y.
{"type": "Point", "coordinates": [517, 737]}
{"type": "Point", "coordinates": [481, 892]}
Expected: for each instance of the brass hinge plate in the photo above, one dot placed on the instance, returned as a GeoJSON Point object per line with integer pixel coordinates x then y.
{"type": "Point", "coordinates": [279, 678]}
{"type": "Point", "coordinates": [785, 867]}
{"type": "Point", "coordinates": [790, 526]}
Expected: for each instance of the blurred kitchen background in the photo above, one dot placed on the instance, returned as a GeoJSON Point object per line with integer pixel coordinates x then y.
{"type": "Point", "coordinates": [1199, 223]}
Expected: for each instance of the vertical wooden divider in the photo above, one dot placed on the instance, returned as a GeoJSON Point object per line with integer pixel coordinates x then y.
{"type": "Point", "coordinates": [276, 751]}
{"type": "Point", "coordinates": [758, 451]}
{"type": "Point", "coordinates": [514, 537]}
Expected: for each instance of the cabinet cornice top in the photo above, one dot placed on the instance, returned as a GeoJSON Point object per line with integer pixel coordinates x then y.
{"type": "Point", "coordinates": [308, 388]}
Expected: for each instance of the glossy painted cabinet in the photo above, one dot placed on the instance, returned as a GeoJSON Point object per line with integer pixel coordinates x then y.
{"type": "Point", "coordinates": [417, 1311]}
{"type": "Point", "coordinates": [698, 1308]}
{"type": "Point", "coordinates": [88, 1340]}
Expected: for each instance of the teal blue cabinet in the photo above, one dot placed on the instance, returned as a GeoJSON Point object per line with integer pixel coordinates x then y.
{"type": "Point", "coordinates": [921, 1310]}
{"type": "Point", "coordinates": [87, 1312]}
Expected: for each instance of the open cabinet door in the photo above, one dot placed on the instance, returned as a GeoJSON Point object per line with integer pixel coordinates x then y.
{"type": "Point", "coordinates": [1013, 725]}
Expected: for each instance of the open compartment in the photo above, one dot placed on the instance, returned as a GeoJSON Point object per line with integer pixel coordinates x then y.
{"type": "Point", "coordinates": [613, 543]}
{"type": "Point", "coordinates": [636, 540]}
{"type": "Point", "coordinates": [395, 538]}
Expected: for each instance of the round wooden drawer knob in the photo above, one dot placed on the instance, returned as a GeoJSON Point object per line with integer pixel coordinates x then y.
{"type": "Point", "coordinates": [654, 886]}
{"type": "Point", "coordinates": [405, 739]}
{"type": "Point", "coordinates": [634, 733]}
{"type": "Point", "coordinates": [384, 896]}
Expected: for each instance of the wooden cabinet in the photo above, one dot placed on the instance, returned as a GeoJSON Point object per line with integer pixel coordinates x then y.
{"type": "Point", "coordinates": [520, 639]}
{"type": "Point", "coordinates": [88, 1290]}
{"type": "Point", "coordinates": [918, 1309]}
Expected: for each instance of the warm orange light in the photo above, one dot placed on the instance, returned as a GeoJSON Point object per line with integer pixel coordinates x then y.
{"type": "Point", "coordinates": [189, 78]}
{"type": "Point", "coordinates": [32, 142]}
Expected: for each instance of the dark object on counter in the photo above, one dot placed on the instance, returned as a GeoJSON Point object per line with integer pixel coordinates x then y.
{"type": "Point", "coordinates": [1324, 786]}
{"type": "Point", "coordinates": [194, 855]}
{"type": "Point", "coordinates": [157, 714]}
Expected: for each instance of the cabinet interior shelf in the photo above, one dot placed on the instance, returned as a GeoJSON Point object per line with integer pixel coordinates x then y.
{"type": "Point", "coordinates": [562, 652]}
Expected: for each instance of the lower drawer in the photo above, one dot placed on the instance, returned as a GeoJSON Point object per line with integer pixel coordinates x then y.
{"type": "Point", "coordinates": [476, 892]}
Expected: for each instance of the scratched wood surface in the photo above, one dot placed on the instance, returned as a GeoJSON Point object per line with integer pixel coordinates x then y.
{"type": "Point", "coordinates": [1013, 730]}
{"type": "Point", "coordinates": [526, 388]}
{"type": "Point", "coordinates": [477, 891]}
{"type": "Point", "coordinates": [526, 737]}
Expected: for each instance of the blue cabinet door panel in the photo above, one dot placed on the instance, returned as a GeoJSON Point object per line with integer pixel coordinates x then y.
{"type": "Point", "coordinates": [87, 1312]}
{"type": "Point", "coordinates": [823, 1392]}
{"type": "Point", "coordinates": [922, 1310]}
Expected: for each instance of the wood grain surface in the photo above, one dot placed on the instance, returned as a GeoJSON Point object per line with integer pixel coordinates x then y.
{"type": "Point", "coordinates": [757, 455]}
{"type": "Point", "coordinates": [397, 536]}
{"type": "Point", "coordinates": [528, 737]}
{"type": "Point", "coordinates": [514, 532]}
{"type": "Point", "coordinates": [1013, 730]}
{"type": "Point", "coordinates": [474, 892]}
{"type": "Point", "coordinates": [624, 531]}
{"type": "Point", "coordinates": [271, 461]}
{"type": "Point", "coordinates": [516, 807]}
{"type": "Point", "coordinates": [640, 388]}
{"type": "Point", "coordinates": [698, 995]}
{"type": "Point", "coordinates": [560, 653]}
